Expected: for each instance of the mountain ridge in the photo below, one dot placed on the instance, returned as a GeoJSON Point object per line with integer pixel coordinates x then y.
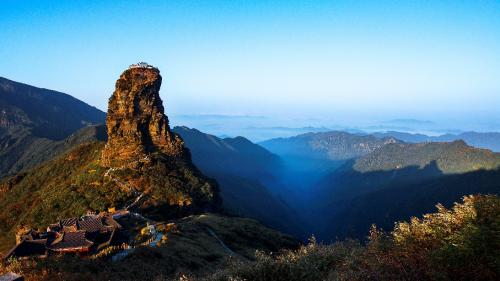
{"type": "Point", "coordinates": [43, 110]}
{"type": "Point", "coordinates": [34, 118]}
{"type": "Point", "coordinates": [247, 175]}
{"type": "Point", "coordinates": [333, 145]}
{"type": "Point", "coordinates": [427, 173]}
{"type": "Point", "coordinates": [487, 140]}
{"type": "Point", "coordinates": [90, 177]}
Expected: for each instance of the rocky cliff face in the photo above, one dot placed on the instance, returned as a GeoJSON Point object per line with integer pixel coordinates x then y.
{"type": "Point", "coordinates": [143, 167]}
{"type": "Point", "coordinates": [143, 152]}
{"type": "Point", "coordinates": [137, 125]}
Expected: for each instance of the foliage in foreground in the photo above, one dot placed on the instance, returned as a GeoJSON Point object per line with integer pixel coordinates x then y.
{"type": "Point", "coordinates": [458, 244]}
{"type": "Point", "coordinates": [462, 243]}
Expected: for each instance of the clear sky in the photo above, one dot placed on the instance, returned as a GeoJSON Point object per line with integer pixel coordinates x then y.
{"type": "Point", "coordinates": [336, 60]}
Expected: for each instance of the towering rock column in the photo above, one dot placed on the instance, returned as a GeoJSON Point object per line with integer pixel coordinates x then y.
{"type": "Point", "coordinates": [136, 123]}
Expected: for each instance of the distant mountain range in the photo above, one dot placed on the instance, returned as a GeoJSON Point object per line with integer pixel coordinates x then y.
{"type": "Point", "coordinates": [321, 152]}
{"type": "Point", "coordinates": [334, 145]}
{"type": "Point", "coordinates": [359, 179]}
{"type": "Point", "coordinates": [334, 183]}
{"type": "Point", "coordinates": [489, 140]}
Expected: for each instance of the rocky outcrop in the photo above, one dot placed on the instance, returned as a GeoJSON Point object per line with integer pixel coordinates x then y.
{"type": "Point", "coordinates": [136, 123]}
{"type": "Point", "coordinates": [145, 156]}
{"type": "Point", "coordinates": [142, 167]}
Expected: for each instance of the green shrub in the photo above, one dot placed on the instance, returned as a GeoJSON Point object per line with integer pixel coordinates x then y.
{"type": "Point", "coordinates": [458, 244]}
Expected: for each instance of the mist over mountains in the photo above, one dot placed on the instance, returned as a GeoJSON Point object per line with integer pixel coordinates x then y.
{"type": "Point", "coordinates": [342, 182]}
{"type": "Point", "coordinates": [58, 160]}
{"type": "Point", "coordinates": [250, 140]}
{"type": "Point", "coordinates": [248, 176]}
{"type": "Point", "coordinates": [259, 128]}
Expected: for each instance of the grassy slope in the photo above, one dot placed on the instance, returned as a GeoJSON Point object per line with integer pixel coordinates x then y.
{"type": "Point", "coordinates": [190, 250]}
{"type": "Point", "coordinates": [451, 244]}
{"type": "Point", "coordinates": [57, 189]}
{"type": "Point", "coordinates": [75, 182]}
{"type": "Point", "coordinates": [23, 151]}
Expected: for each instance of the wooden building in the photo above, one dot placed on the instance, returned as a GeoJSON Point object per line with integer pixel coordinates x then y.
{"type": "Point", "coordinates": [82, 235]}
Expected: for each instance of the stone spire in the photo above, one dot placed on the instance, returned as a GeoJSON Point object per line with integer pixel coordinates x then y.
{"type": "Point", "coordinates": [136, 123]}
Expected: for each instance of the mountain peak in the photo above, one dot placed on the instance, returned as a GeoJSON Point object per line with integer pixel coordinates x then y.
{"type": "Point", "coordinates": [136, 121]}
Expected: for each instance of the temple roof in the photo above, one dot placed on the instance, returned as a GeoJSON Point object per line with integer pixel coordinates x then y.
{"type": "Point", "coordinates": [70, 240]}
{"type": "Point", "coordinates": [28, 248]}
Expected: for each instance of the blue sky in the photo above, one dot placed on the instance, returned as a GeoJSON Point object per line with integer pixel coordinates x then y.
{"type": "Point", "coordinates": [336, 62]}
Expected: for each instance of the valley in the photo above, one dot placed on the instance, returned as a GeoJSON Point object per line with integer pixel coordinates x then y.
{"type": "Point", "coordinates": [249, 140]}
{"type": "Point", "coordinates": [188, 201]}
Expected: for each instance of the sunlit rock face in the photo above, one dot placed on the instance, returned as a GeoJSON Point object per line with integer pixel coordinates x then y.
{"type": "Point", "coordinates": [136, 123]}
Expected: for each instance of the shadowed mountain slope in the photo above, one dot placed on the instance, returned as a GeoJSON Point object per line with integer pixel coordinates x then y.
{"type": "Point", "coordinates": [314, 154]}
{"type": "Point", "coordinates": [402, 180]}
{"type": "Point", "coordinates": [34, 121]}
{"type": "Point", "coordinates": [247, 176]}
{"type": "Point", "coordinates": [48, 114]}
{"type": "Point", "coordinates": [234, 155]}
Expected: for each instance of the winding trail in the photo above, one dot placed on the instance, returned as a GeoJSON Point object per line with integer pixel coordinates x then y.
{"type": "Point", "coordinates": [224, 246]}
{"type": "Point", "coordinates": [135, 201]}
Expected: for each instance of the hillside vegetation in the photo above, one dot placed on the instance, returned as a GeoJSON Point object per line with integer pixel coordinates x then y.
{"type": "Point", "coordinates": [34, 123]}
{"type": "Point", "coordinates": [191, 249]}
{"type": "Point", "coordinates": [25, 151]}
{"type": "Point", "coordinates": [452, 157]}
{"type": "Point", "coordinates": [456, 244]}
{"type": "Point", "coordinates": [398, 181]}
{"type": "Point", "coordinates": [461, 243]}
{"type": "Point", "coordinates": [76, 182]}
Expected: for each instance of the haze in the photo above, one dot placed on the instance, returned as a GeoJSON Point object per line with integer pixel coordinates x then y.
{"type": "Point", "coordinates": [293, 63]}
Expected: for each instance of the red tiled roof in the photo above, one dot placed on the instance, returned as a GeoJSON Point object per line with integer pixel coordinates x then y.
{"type": "Point", "coordinates": [94, 224]}
{"type": "Point", "coordinates": [68, 222]}
{"type": "Point", "coordinates": [91, 224]}
{"type": "Point", "coordinates": [71, 240]}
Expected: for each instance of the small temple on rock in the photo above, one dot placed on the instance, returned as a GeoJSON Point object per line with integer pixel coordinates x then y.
{"type": "Point", "coordinates": [141, 65]}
